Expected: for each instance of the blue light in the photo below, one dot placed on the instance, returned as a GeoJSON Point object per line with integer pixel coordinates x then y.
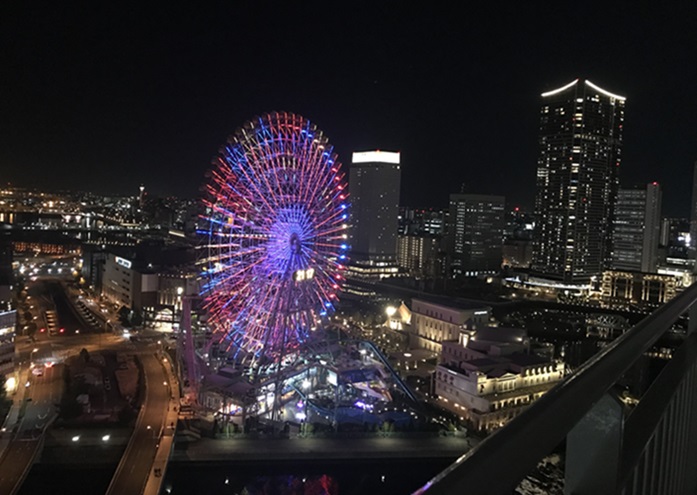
{"type": "Point", "coordinates": [344, 246]}
{"type": "Point", "coordinates": [343, 206]}
{"type": "Point", "coordinates": [342, 257]}
{"type": "Point", "coordinates": [328, 304]}
{"type": "Point", "coordinates": [344, 216]}
{"type": "Point", "coordinates": [323, 313]}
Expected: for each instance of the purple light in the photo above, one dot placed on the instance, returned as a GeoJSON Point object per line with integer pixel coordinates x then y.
{"type": "Point", "coordinates": [273, 210]}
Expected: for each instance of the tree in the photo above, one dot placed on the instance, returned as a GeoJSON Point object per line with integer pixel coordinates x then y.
{"type": "Point", "coordinates": [126, 415]}
{"type": "Point", "coordinates": [136, 319]}
{"type": "Point", "coordinates": [69, 407]}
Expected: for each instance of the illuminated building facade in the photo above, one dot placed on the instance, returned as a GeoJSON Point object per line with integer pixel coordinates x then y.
{"type": "Point", "coordinates": [8, 315]}
{"type": "Point", "coordinates": [488, 376]}
{"type": "Point", "coordinates": [374, 182]}
{"type": "Point", "coordinates": [433, 323]}
{"type": "Point", "coordinates": [8, 321]}
{"type": "Point", "coordinates": [577, 180]}
{"type": "Point", "coordinates": [475, 243]}
{"type": "Point", "coordinates": [124, 284]}
{"type": "Point", "coordinates": [630, 289]}
{"type": "Point", "coordinates": [637, 228]}
{"type": "Point", "coordinates": [419, 255]}
{"type": "Point", "coordinates": [421, 221]}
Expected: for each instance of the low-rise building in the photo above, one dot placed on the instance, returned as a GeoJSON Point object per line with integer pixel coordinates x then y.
{"type": "Point", "coordinates": [637, 289]}
{"type": "Point", "coordinates": [435, 322]}
{"type": "Point", "coordinates": [489, 376]}
{"type": "Point", "coordinates": [8, 322]}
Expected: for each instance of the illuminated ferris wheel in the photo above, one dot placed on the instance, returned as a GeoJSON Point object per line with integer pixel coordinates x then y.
{"type": "Point", "coordinates": [277, 214]}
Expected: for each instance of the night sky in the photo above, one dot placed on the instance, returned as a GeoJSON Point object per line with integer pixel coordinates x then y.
{"type": "Point", "coordinates": [103, 96]}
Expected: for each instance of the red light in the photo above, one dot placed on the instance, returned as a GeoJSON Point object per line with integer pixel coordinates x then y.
{"type": "Point", "coordinates": [655, 183]}
{"type": "Point", "coordinates": [62, 330]}
{"type": "Point", "coordinates": [43, 330]}
{"type": "Point", "coordinates": [516, 209]}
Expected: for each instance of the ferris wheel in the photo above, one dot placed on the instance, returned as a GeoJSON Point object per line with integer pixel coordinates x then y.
{"type": "Point", "coordinates": [277, 214]}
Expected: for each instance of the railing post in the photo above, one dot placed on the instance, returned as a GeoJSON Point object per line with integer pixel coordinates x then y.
{"type": "Point", "coordinates": [692, 320]}
{"type": "Point", "coordinates": [691, 413]}
{"type": "Point", "coordinates": [593, 449]}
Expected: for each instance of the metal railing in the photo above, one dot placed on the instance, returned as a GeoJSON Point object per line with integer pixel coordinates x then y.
{"type": "Point", "coordinates": [656, 440]}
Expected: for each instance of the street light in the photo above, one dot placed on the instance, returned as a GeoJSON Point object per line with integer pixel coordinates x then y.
{"type": "Point", "coordinates": [76, 438]}
{"type": "Point", "coordinates": [106, 438]}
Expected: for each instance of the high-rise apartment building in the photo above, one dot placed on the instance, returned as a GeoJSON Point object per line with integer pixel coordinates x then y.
{"type": "Point", "coordinates": [475, 233]}
{"type": "Point", "coordinates": [637, 228]}
{"type": "Point", "coordinates": [577, 180]}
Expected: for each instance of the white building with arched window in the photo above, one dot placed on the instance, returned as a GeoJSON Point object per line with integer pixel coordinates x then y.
{"type": "Point", "coordinates": [487, 377]}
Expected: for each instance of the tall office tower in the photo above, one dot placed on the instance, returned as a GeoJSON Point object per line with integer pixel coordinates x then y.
{"type": "Point", "coordinates": [374, 180]}
{"type": "Point", "coordinates": [637, 229]}
{"type": "Point", "coordinates": [475, 243]}
{"type": "Point", "coordinates": [374, 191]}
{"type": "Point", "coordinates": [577, 181]}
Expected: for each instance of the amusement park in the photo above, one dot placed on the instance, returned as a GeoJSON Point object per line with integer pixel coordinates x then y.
{"type": "Point", "coordinates": [272, 259]}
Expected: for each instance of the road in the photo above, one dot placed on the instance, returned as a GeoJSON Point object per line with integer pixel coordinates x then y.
{"type": "Point", "coordinates": [38, 401]}
{"type": "Point", "coordinates": [39, 408]}
{"type": "Point", "coordinates": [137, 462]}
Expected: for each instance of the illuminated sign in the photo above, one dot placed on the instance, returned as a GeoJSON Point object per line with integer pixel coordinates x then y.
{"type": "Point", "coordinates": [376, 157]}
{"type": "Point", "coordinates": [481, 312]}
{"type": "Point", "coordinates": [302, 275]}
{"type": "Point", "coordinates": [123, 262]}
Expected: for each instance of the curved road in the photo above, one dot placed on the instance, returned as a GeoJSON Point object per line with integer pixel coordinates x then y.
{"type": "Point", "coordinates": [137, 461]}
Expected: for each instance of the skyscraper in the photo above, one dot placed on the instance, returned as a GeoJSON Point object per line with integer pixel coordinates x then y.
{"type": "Point", "coordinates": [475, 233]}
{"type": "Point", "coordinates": [637, 228]}
{"type": "Point", "coordinates": [374, 181]}
{"type": "Point", "coordinates": [577, 180]}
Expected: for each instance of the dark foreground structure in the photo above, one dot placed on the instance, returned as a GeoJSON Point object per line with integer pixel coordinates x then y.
{"type": "Point", "coordinates": [612, 445]}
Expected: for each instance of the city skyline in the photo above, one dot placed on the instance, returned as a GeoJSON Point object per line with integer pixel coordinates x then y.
{"type": "Point", "coordinates": [109, 98]}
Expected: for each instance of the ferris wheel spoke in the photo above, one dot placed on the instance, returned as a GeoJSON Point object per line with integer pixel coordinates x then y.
{"type": "Point", "coordinates": [277, 218]}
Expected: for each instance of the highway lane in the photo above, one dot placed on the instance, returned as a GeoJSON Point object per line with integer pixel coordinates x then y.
{"type": "Point", "coordinates": [45, 389]}
{"type": "Point", "coordinates": [15, 464]}
{"type": "Point", "coordinates": [39, 403]}
{"type": "Point", "coordinates": [136, 464]}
